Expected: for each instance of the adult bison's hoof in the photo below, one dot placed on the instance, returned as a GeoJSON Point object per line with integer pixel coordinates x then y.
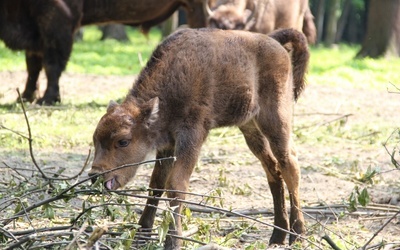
{"type": "Point", "coordinates": [28, 96]}
{"type": "Point", "coordinates": [49, 100]}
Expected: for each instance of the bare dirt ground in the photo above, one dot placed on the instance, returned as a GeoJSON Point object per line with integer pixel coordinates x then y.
{"type": "Point", "coordinates": [330, 163]}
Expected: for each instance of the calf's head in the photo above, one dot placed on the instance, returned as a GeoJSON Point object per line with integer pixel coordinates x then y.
{"type": "Point", "coordinates": [123, 136]}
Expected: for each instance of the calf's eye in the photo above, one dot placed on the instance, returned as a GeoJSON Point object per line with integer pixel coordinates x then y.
{"type": "Point", "coordinates": [123, 143]}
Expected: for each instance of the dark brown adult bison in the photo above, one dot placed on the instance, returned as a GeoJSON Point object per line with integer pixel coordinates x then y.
{"type": "Point", "coordinates": [197, 80]}
{"type": "Point", "coordinates": [45, 28]}
{"type": "Point", "coordinates": [261, 16]}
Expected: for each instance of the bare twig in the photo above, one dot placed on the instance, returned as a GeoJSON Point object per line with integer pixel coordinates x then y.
{"type": "Point", "coordinates": [182, 192]}
{"type": "Point", "coordinates": [393, 92]}
{"type": "Point", "coordinates": [330, 242]}
{"type": "Point", "coordinates": [319, 124]}
{"type": "Point", "coordinates": [13, 131]}
{"type": "Point", "coordinates": [380, 229]}
{"type": "Point", "coordinates": [19, 176]}
{"type": "Point", "coordinates": [40, 230]}
{"type": "Point", "coordinates": [30, 137]}
{"type": "Point", "coordinates": [392, 154]}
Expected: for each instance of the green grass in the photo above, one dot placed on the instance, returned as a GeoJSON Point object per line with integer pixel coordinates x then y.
{"type": "Point", "coordinates": [71, 123]}
{"type": "Point", "coordinates": [92, 56]}
{"type": "Point", "coordinates": [333, 66]}
{"type": "Point", "coordinates": [59, 126]}
{"type": "Point", "coordinates": [111, 57]}
{"type": "Point", "coordinates": [337, 67]}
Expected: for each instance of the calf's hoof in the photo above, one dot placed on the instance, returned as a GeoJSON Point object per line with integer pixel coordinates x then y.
{"type": "Point", "coordinates": [277, 237]}
{"type": "Point", "coordinates": [299, 229]}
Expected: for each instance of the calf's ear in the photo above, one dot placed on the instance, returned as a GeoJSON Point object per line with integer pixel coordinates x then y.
{"type": "Point", "coordinates": [111, 105]}
{"type": "Point", "coordinates": [149, 111]}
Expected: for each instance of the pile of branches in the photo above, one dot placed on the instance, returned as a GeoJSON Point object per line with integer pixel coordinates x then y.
{"type": "Point", "coordinates": [46, 209]}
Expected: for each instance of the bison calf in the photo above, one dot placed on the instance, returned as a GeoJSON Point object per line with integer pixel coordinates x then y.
{"type": "Point", "coordinates": [197, 80]}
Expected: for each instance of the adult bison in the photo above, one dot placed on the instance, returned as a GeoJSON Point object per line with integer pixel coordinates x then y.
{"type": "Point", "coordinates": [261, 16]}
{"type": "Point", "coordinates": [45, 28]}
{"type": "Point", "coordinates": [197, 80]}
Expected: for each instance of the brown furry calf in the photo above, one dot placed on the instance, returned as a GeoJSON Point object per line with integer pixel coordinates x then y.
{"type": "Point", "coordinates": [197, 80]}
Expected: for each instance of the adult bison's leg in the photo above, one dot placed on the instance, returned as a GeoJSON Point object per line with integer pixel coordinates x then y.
{"type": "Point", "coordinates": [55, 61]}
{"type": "Point", "coordinates": [57, 34]}
{"type": "Point", "coordinates": [157, 181]}
{"type": "Point", "coordinates": [34, 62]}
{"type": "Point", "coordinates": [259, 145]}
{"type": "Point", "coordinates": [274, 122]}
{"type": "Point", "coordinates": [188, 145]}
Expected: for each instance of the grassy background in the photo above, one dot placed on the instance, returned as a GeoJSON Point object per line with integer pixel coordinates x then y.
{"type": "Point", "coordinates": [332, 66]}
{"type": "Point", "coordinates": [71, 123]}
{"type": "Point", "coordinates": [328, 66]}
{"type": "Point", "coordinates": [92, 56]}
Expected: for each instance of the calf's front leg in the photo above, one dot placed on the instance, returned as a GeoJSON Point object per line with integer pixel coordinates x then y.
{"type": "Point", "coordinates": [157, 181]}
{"type": "Point", "coordinates": [187, 152]}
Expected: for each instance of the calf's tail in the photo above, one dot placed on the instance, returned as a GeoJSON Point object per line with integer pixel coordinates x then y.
{"type": "Point", "coordinates": [295, 43]}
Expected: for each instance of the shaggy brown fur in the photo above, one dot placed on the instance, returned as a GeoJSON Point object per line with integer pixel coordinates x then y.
{"type": "Point", "coordinates": [45, 28]}
{"type": "Point", "coordinates": [197, 80]}
{"type": "Point", "coordinates": [262, 16]}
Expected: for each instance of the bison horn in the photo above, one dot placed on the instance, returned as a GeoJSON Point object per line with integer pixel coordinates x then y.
{"type": "Point", "coordinates": [206, 8]}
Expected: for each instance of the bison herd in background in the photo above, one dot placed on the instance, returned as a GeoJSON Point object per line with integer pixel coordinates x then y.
{"type": "Point", "coordinates": [195, 80]}
{"type": "Point", "coordinates": [45, 28]}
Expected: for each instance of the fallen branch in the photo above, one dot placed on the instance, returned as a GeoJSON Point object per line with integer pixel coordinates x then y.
{"type": "Point", "coordinates": [63, 194]}
{"type": "Point", "coordinates": [330, 242]}
{"type": "Point", "coordinates": [95, 236]}
{"type": "Point", "coordinates": [319, 124]}
{"type": "Point", "coordinates": [380, 229]}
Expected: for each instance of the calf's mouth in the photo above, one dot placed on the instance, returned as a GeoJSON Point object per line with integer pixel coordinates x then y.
{"type": "Point", "coordinates": [112, 183]}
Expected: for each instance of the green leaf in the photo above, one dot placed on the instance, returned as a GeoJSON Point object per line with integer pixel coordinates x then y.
{"type": "Point", "coordinates": [353, 200]}
{"type": "Point", "coordinates": [363, 197]}
{"type": "Point", "coordinates": [49, 212]}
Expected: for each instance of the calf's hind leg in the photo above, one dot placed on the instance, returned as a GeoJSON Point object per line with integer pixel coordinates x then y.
{"type": "Point", "coordinates": [275, 123]}
{"type": "Point", "coordinates": [259, 146]}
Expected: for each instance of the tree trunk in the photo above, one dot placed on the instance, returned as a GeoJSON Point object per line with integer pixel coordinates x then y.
{"type": "Point", "coordinates": [343, 20]}
{"type": "Point", "coordinates": [331, 25]}
{"type": "Point", "coordinates": [114, 31]}
{"type": "Point", "coordinates": [383, 30]}
{"type": "Point", "coordinates": [319, 19]}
